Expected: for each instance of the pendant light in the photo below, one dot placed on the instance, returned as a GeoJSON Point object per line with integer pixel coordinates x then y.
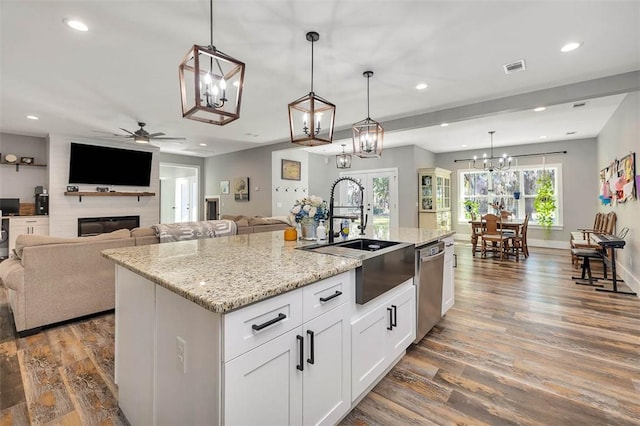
{"type": "Point", "coordinates": [343, 161]}
{"type": "Point", "coordinates": [211, 83]}
{"type": "Point", "coordinates": [311, 117]}
{"type": "Point", "coordinates": [368, 134]}
{"type": "Point", "coordinates": [490, 162]}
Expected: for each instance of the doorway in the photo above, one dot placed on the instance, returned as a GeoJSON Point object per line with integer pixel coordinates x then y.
{"type": "Point", "coordinates": [179, 189]}
{"type": "Point", "coordinates": [380, 198]}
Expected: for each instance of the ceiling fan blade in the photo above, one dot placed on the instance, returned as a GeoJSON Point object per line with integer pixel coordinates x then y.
{"type": "Point", "coordinates": [153, 135]}
{"type": "Point", "coordinates": [131, 133]}
{"type": "Point", "coordinates": [170, 139]}
{"type": "Point", "coordinates": [109, 133]}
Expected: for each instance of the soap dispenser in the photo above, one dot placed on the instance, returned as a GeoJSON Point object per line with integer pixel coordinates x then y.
{"type": "Point", "coordinates": [321, 231]}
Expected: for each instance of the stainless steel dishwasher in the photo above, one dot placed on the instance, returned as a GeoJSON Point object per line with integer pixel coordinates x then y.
{"type": "Point", "coordinates": [429, 276]}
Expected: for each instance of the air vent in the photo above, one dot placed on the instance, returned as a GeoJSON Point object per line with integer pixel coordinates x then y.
{"type": "Point", "coordinates": [571, 133]}
{"type": "Point", "coordinates": [579, 104]}
{"type": "Point", "coordinates": [514, 67]}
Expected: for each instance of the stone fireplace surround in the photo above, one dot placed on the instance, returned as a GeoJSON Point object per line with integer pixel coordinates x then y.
{"type": "Point", "coordinates": [88, 226]}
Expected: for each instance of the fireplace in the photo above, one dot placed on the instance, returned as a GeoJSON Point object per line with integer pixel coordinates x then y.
{"type": "Point", "coordinates": [88, 226]}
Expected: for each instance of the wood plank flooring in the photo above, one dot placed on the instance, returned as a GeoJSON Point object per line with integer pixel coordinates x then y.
{"type": "Point", "coordinates": [522, 345]}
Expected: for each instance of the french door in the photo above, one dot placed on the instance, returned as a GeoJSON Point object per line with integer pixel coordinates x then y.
{"type": "Point", "coordinates": [380, 198]}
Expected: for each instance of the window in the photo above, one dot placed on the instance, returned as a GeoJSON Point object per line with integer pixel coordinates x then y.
{"type": "Point", "coordinates": [494, 191]}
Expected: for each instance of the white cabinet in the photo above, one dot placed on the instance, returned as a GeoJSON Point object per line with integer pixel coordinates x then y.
{"type": "Point", "coordinates": [434, 198]}
{"type": "Point", "coordinates": [448, 284]}
{"type": "Point", "coordinates": [31, 225]}
{"type": "Point", "coordinates": [302, 376]}
{"type": "Point", "coordinates": [381, 331]}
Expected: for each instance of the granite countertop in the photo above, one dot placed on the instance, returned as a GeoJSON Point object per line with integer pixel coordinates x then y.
{"type": "Point", "coordinates": [225, 273]}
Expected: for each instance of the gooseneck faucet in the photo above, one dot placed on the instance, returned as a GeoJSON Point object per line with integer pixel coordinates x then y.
{"type": "Point", "coordinates": [332, 206]}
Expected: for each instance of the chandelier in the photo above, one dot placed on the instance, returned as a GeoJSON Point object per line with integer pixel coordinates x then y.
{"type": "Point", "coordinates": [310, 113]}
{"type": "Point", "coordinates": [490, 162]}
{"type": "Point", "coordinates": [211, 83]}
{"type": "Point", "coordinates": [367, 134]}
{"type": "Point", "coordinates": [343, 161]}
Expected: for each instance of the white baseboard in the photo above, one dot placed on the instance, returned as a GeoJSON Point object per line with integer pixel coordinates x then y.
{"type": "Point", "coordinates": [629, 279]}
{"type": "Point", "coordinates": [532, 242]}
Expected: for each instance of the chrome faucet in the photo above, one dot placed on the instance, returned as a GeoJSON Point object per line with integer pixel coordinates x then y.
{"type": "Point", "coordinates": [332, 206]}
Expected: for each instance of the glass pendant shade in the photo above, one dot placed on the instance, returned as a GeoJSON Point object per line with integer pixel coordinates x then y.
{"type": "Point", "coordinates": [368, 134]}
{"type": "Point", "coordinates": [343, 161]}
{"type": "Point", "coordinates": [211, 86]}
{"type": "Point", "coordinates": [311, 118]}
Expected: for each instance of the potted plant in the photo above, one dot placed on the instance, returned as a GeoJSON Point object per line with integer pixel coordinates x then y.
{"type": "Point", "coordinates": [470, 208]}
{"type": "Point", "coordinates": [545, 203]}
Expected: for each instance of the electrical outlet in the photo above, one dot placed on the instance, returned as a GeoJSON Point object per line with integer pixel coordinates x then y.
{"type": "Point", "coordinates": [181, 355]}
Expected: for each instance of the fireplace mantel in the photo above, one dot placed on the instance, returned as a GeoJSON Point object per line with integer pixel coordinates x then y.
{"type": "Point", "coordinates": [109, 194]}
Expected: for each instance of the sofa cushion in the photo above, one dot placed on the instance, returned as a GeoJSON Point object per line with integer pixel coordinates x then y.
{"type": "Point", "coordinates": [143, 232]}
{"type": "Point", "coordinates": [258, 220]}
{"type": "Point", "coordinates": [29, 240]}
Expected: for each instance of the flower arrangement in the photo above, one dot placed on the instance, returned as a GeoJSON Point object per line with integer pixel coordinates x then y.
{"type": "Point", "coordinates": [312, 207]}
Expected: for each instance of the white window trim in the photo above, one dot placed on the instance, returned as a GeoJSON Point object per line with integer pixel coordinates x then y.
{"type": "Point", "coordinates": [559, 225]}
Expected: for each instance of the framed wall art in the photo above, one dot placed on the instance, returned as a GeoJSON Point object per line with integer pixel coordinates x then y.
{"type": "Point", "coordinates": [241, 189]}
{"type": "Point", "coordinates": [291, 170]}
{"type": "Point", "coordinates": [224, 186]}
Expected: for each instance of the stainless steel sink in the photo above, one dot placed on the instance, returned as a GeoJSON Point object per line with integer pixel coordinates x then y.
{"type": "Point", "coordinates": [385, 264]}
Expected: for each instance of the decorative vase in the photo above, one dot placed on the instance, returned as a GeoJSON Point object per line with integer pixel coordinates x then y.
{"type": "Point", "coordinates": [308, 229]}
{"type": "Point", "coordinates": [516, 195]}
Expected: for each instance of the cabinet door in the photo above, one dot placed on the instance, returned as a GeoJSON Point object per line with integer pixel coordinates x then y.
{"type": "Point", "coordinates": [368, 349]}
{"type": "Point", "coordinates": [403, 332]}
{"type": "Point", "coordinates": [264, 386]}
{"type": "Point", "coordinates": [448, 284]}
{"type": "Point", "coordinates": [327, 381]}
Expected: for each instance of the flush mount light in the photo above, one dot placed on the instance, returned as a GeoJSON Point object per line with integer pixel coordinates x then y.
{"type": "Point", "coordinates": [422, 86]}
{"type": "Point", "coordinates": [206, 79]}
{"type": "Point", "coordinates": [33, 117]}
{"type": "Point", "coordinates": [308, 112]}
{"type": "Point", "coordinates": [570, 46]}
{"type": "Point", "coordinates": [368, 134]}
{"type": "Point", "coordinates": [539, 109]}
{"type": "Point", "coordinates": [444, 124]}
{"type": "Point", "coordinates": [75, 24]}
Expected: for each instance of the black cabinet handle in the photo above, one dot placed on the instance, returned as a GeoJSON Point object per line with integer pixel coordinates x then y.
{"type": "Point", "coordinates": [333, 296]}
{"type": "Point", "coordinates": [300, 365]}
{"type": "Point", "coordinates": [455, 260]}
{"type": "Point", "coordinates": [394, 323]}
{"type": "Point", "coordinates": [390, 319]}
{"type": "Point", "coordinates": [259, 327]}
{"type": "Point", "coordinates": [311, 348]}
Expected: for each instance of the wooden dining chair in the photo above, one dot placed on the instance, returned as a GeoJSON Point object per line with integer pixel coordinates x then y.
{"type": "Point", "coordinates": [606, 225]}
{"type": "Point", "coordinates": [519, 241]}
{"type": "Point", "coordinates": [492, 233]}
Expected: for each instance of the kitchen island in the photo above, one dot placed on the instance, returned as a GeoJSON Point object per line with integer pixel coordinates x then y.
{"type": "Point", "coordinates": [248, 329]}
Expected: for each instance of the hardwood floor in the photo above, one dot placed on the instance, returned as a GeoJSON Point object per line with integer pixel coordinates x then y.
{"type": "Point", "coordinates": [523, 344]}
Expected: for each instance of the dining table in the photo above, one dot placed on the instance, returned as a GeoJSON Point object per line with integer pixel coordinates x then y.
{"type": "Point", "coordinates": [478, 225]}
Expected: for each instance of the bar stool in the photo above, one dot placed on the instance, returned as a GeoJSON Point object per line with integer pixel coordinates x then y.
{"type": "Point", "coordinates": [586, 255]}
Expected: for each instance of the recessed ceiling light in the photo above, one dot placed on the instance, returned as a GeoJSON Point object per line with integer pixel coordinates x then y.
{"type": "Point", "coordinates": [570, 46]}
{"type": "Point", "coordinates": [422, 86]}
{"type": "Point", "coordinates": [444, 124]}
{"type": "Point", "coordinates": [203, 144]}
{"type": "Point", "coordinates": [464, 145]}
{"type": "Point", "coordinates": [75, 24]}
{"type": "Point", "coordinates": [33, 117]}
{"type": "Point", "coordinates": [539, 109]}
{"type": "Point", "coordinates": [543, 137]}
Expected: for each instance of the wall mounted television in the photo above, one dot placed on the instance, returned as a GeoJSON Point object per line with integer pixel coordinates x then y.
{"type": "Point", "coordinates": [93, 164]}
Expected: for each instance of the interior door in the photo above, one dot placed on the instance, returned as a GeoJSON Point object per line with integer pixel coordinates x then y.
{"type": "Point", "coordinates": [178, 193]}
{"type": "Point", "coordinates": [380, 198]}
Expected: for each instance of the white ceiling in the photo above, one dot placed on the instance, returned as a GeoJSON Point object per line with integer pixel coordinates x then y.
{"type": "Point", "coordinates": [125, 69]}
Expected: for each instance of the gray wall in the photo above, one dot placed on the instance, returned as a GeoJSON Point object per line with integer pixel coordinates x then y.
{"type": "Point", "coordinates": [21, 184]}
{"type": "Point", "coordinates": [620, 136]}
{"type": "Point", "coordinates": [578, 181]}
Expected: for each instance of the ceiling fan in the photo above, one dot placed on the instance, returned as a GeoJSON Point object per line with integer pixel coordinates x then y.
{"type": "Point", "coordinates": [142, 136]}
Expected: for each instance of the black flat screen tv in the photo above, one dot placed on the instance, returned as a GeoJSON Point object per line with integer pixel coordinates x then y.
{"type": "Point", "coordinates": [103, 165]}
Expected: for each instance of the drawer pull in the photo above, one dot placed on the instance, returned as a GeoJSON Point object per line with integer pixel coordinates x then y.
{"type": "Point", "coordinates": [390, 327]}
{"type": "Point", "coordinates": [333, 296]}
{"type": "Point", "coordinates": [394, 322]}
{"type": "Point", "coordinates": [259, 327]}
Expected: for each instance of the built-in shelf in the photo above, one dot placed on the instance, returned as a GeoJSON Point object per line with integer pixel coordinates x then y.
{"type": "Point", "coordinates": [17, 165]}
{"type": "Point", "coordinates": [109, 194]}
